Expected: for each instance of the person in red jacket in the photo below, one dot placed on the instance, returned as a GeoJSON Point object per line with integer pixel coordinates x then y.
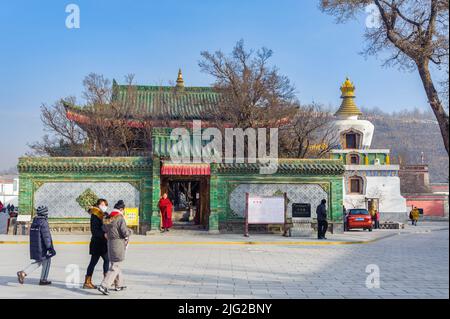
{"type": "Point", "coordinates": [377, 219]}
{"type": "Point", "coordinates": [165, 207]}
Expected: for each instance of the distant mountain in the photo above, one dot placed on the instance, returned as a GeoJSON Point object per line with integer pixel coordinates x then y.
{"type": "Point", "coordinates": [408, 134]}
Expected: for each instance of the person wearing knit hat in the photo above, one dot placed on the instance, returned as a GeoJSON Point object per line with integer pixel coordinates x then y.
{"type": "Point", "coordinates": [41, 247]}
{"type": "Point", "coordinates": [42, 211]}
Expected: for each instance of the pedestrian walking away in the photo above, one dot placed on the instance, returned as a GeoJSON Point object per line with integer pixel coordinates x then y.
{"type": "Point", "coordinates": [117, 235]}
{"type": "Point", "coordinates": [414, 215]}
{"type": "Point", "coordinates": [98, 247]}
{"type": "Point", "coordinates": [322, 224]}
{"type": "Point", "coordinates": [41, 247]}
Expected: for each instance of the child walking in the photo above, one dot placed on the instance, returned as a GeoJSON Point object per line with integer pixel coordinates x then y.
{"type": "Point", "coordinates": [41, 247]}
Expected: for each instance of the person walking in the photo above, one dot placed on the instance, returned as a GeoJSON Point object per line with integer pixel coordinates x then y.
{"type": "Point", "coordinates": [98, 247]}
{"type": "Point", "coordinates": [41, 247]}
{"type": "Point", "coordinates": [322, 224]}
{"type": "Point", "coordinates": [373, 213]}
{"type": "Point", "coordinates": [344, 216]}
{"type": "Point", "coordinates": [377, 219]}
{"type": "Point", "coordinates": [415, 214]}
{"type": "Point", "coordinates": [117, 235]}
{"type": "Point", "coordinates": [165, 207]}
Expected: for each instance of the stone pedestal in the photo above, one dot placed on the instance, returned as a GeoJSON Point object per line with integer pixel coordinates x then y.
{"type": "Point", "coordinates": [301, 227]}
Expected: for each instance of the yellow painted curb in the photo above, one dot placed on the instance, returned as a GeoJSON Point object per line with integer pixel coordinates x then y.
{"type": "Point", "coordinates": [289, 243]}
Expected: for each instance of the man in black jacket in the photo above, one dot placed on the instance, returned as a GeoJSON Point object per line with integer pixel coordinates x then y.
{"type": "Point", "coordinates": [41, 247]}
{"type": "Point", "coordinates": [322, 224]}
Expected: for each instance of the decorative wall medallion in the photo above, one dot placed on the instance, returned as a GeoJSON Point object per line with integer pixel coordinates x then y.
{"type": "Point", "coordinates": [278, 193]}
{"type": "Point", "coordinates": [87, 199]}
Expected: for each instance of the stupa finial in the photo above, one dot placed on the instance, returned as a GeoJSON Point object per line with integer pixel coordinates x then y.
{"type": "Point", "coordinates": [348, 106]}
{"type": "Point", "coordinates": [180, 81]}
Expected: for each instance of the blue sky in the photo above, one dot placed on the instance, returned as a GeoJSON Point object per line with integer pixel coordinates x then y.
{"type": "Point", "coordinates": [41, 60]}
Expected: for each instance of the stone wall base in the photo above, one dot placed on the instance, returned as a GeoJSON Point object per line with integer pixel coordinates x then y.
{"type": "Point", "coordinates": [394, 217]}
{"type": "Point", "coordinates": [237, 227]}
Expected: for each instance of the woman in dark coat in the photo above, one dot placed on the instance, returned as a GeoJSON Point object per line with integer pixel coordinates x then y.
{"type": "Point", "coordinates": [98, 246]}
{"type": "Point", "coordinates": [41, 247]}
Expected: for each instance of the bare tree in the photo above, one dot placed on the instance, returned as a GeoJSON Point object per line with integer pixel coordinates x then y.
{"type": "Point", "coordinates": [97, 89]}
{"type": "Point", "coordinates": [112, 128]}
{"type": "Point", "coordinates": [416, 34]}
{"type": "Point", "coordinates": [310, 133]}
{"type": "Point", "coordinates": [66, 136]}
{"type": "Point", "coordinates": [253, 93]}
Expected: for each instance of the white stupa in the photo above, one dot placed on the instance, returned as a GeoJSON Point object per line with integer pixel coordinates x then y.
{"type": "Point", "coordinates": [370, 181]}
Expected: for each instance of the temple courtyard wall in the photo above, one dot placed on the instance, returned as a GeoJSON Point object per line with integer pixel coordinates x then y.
{"type": "Point", "coordinates": [69, 185]}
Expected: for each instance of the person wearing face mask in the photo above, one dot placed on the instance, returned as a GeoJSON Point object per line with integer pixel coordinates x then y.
{"type": "Point", "coordinates": [98, 246]}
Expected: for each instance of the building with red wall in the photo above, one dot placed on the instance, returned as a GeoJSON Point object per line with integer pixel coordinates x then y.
{"type": "Point", "coordinates": [431, 199]}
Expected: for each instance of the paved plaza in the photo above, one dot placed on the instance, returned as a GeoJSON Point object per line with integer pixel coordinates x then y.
{"type": "Point", "coordinates": [412, 263]}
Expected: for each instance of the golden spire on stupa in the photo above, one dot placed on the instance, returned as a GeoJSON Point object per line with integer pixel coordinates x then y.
{"type": "Point", "coordinates": [180, 81]}
{"type": "Point", "coordinates": [348, 106]}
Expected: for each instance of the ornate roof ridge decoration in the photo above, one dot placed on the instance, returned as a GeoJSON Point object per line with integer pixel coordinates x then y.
{"type": "Point", "coordinates": [165, 88]}
{"type": "Point", "coordinates": [83, 164]}
{"type": "Point", "coordinates": [348, 106]}
{"type": "Point", "coordinates": [286, 166]}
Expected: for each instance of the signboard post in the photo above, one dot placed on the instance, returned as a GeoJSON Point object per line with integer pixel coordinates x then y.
{"type": "Point", "coordinates": [301, 220]}
{"type": "Point", "coordinates": [131, 215]}
{"type": "Point", "coordinates": [246, 215]}
{"type": "Point", "coordinates": [265, 210]}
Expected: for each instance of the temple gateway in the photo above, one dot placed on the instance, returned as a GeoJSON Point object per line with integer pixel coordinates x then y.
{"type": "Point", "coordinates": [206, 197]}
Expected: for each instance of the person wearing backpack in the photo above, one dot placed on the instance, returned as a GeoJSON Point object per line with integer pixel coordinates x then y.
{"type": "Point", "coordinates": [41, 247]}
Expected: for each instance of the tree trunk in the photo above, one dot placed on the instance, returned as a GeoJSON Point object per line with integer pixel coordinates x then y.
{"type": "Point", "coordinates": [435, 103]}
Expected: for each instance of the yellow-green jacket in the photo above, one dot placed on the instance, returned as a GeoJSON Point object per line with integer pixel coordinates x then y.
{"type": "Point", "coordinates": [415, 214]}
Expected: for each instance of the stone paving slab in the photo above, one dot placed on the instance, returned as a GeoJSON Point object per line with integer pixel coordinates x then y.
{"type": "Point", "coordinates": [248, 272]}
{"type": "Point", "coordinates": [191, 238]}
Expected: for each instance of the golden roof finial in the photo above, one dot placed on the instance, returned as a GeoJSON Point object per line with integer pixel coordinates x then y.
{"type": "Point", "coordinates": [180, 81]}
{"type": "Point", "coordinates": [348, 106]}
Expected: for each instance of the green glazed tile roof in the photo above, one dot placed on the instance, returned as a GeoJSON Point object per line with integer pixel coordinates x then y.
{"type": "Point", "coordinates": [167, 102]}
{"type": "Point", "coordinates": [85, 164]}
{"type": "Point", "coordinates": [293, 166]}
{"type": "Point", "coordinates": [162, 144]}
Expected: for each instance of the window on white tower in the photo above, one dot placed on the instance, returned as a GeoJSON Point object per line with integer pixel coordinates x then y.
{"type": "Point", "coordinates": [353, 159]}
{"type": "Point", "coordinates": [356, 185]}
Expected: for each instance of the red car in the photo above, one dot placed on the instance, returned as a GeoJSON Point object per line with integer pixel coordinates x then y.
{"type": "Point", "coordinates": [358, 218]}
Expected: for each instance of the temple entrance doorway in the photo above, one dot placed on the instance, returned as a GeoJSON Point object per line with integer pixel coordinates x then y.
{"type": "Point", "coordinates": [190, 198]}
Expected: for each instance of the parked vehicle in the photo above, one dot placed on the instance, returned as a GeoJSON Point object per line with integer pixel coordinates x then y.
{"type": "Point", "coordinates": [359, 218]}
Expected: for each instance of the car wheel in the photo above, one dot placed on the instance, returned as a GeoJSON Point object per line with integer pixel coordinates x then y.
{"type": "Point", "coordinates": [370, 229]}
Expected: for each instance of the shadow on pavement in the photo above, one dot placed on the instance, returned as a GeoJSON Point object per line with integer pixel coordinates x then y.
{"type": "Point", "coordinates": [11, 281]}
